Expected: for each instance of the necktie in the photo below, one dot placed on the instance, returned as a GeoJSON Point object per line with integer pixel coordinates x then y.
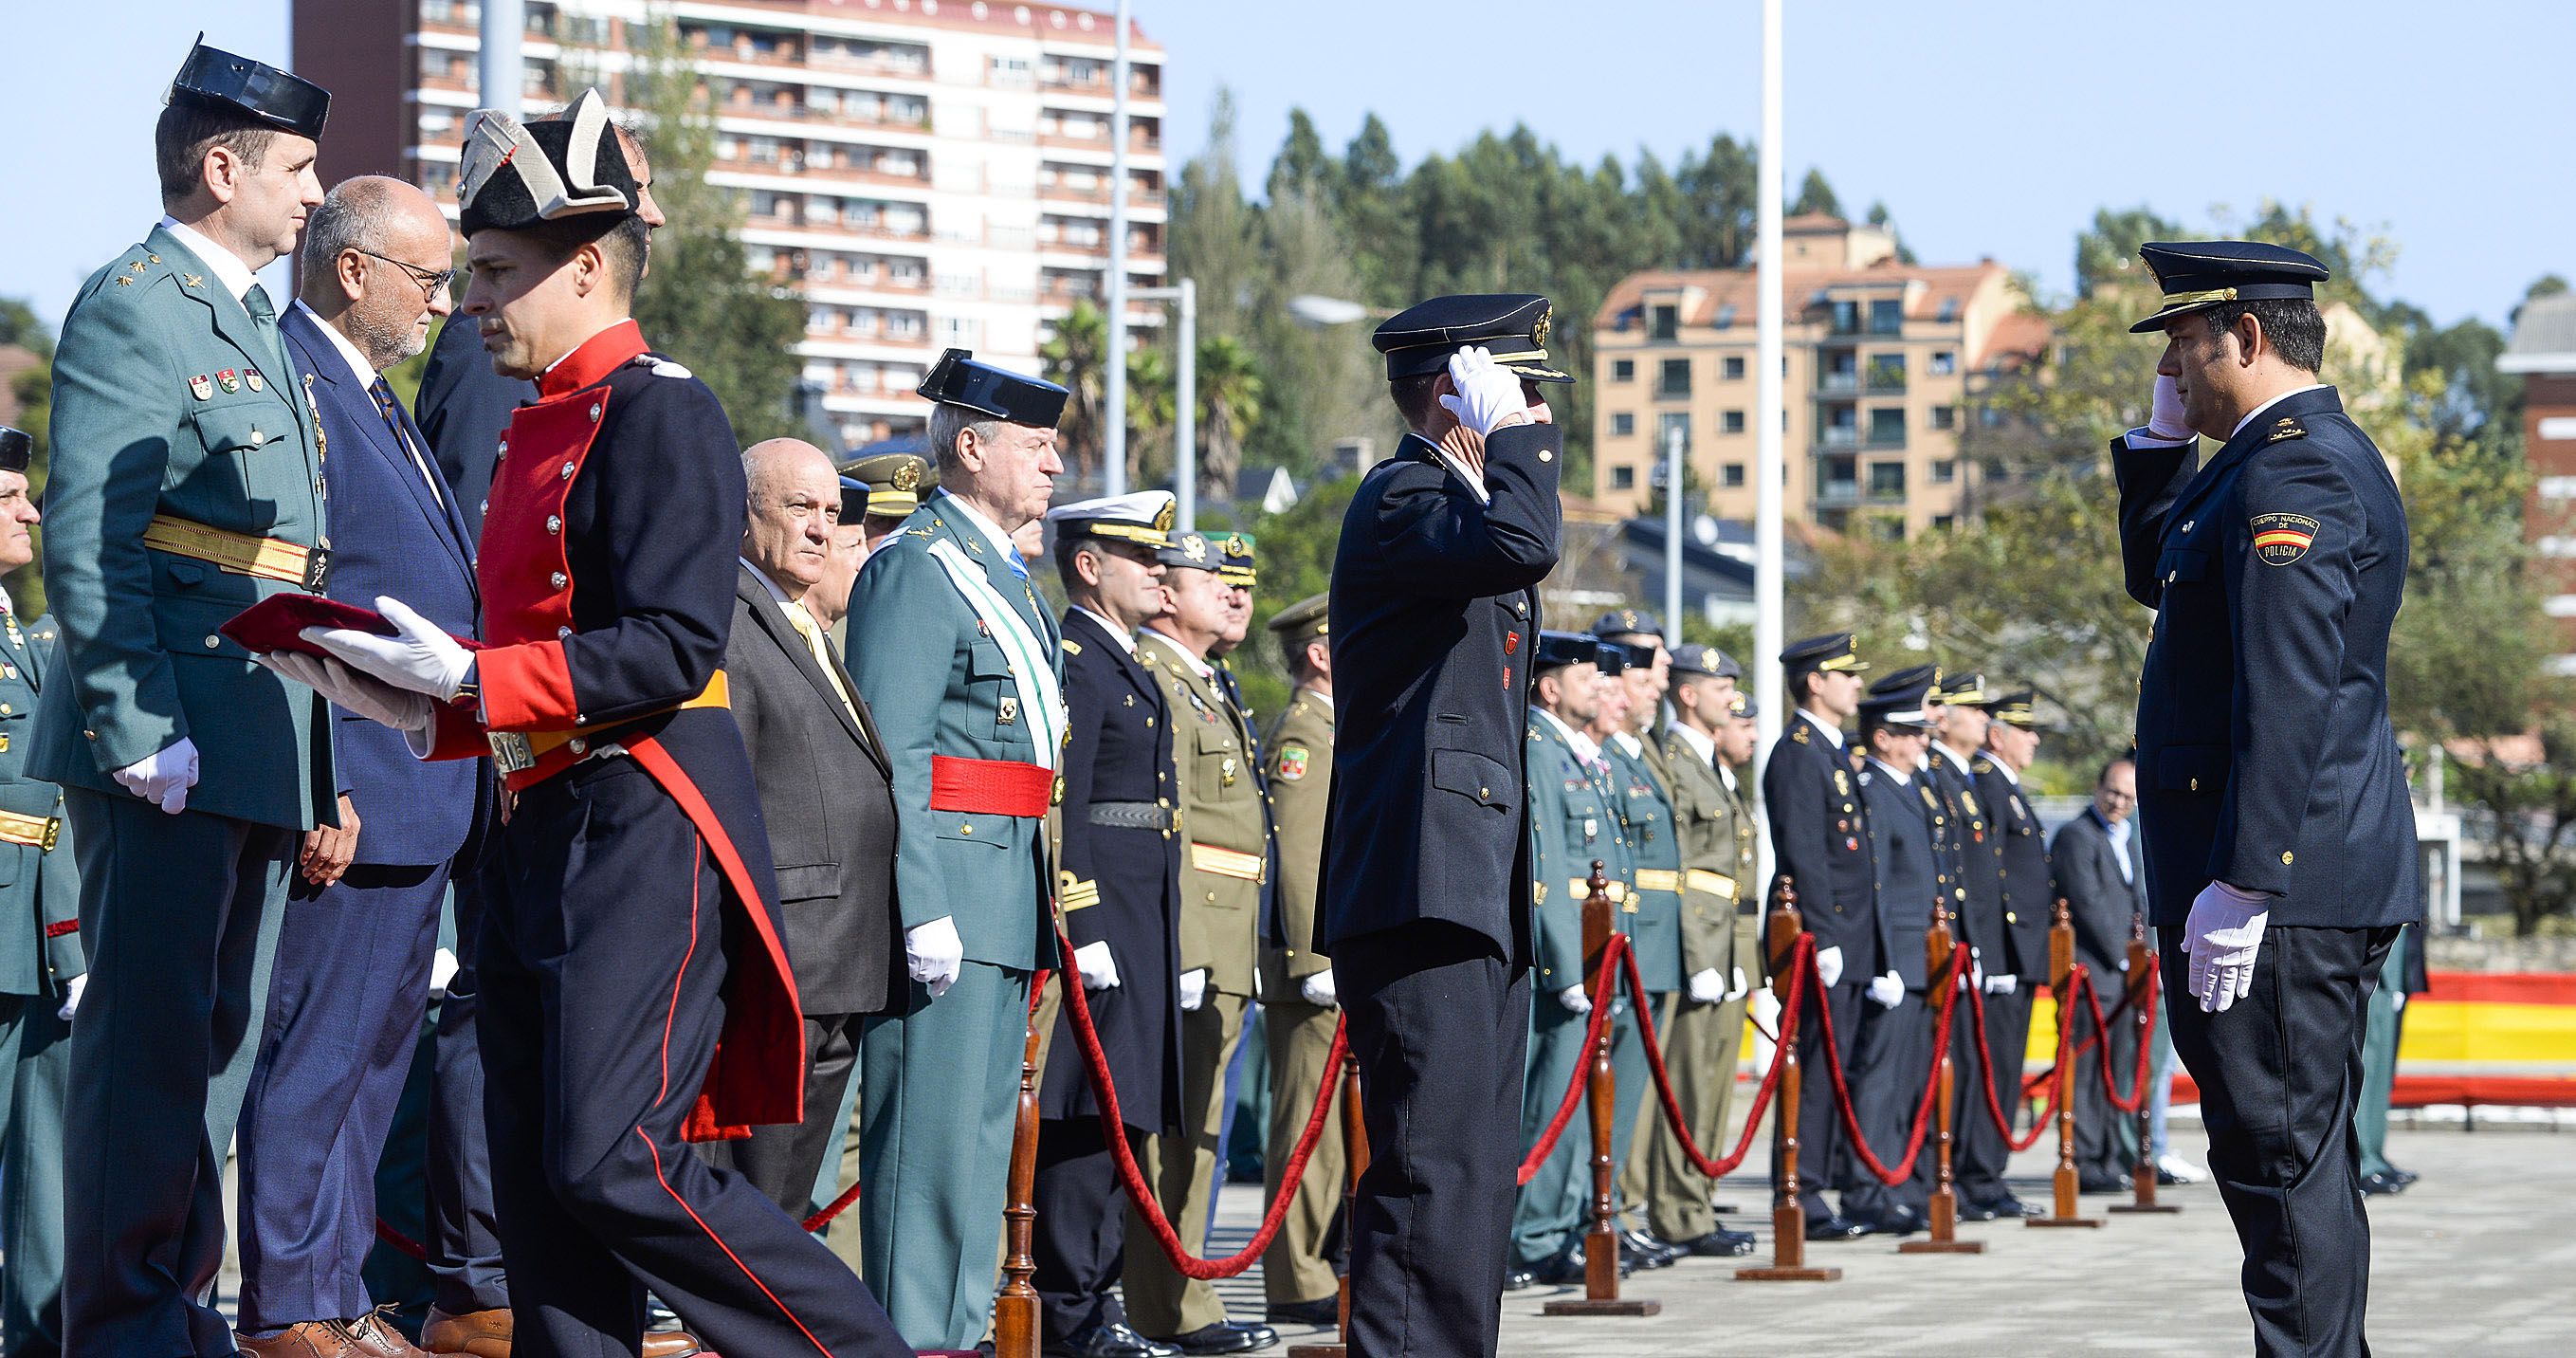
{"type": "Point", "coordinates": [263, 317]}
{"type": "Point", "coordinates": [385, 407]}
{"type": "Point", "coordinates": [1019, 564]}
{"type": "Point", "coordinates": [807, 628]}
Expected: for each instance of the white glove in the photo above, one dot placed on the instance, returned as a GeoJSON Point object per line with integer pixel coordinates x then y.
{"type": "Point", "coordinates": [1976, 969]}
{"type": "Point", "coordinates": [1318, 989]}
{"type": "Point", "coordinates": [1193, 989]}
{"type": "Point", "coordinates": [1742, 988]}
{"type": "Point", "coordinates": [1574, 1000]}
{"type": "Point", "coordinates": [443, 967]}
{"type": "Point", "coordinates": [1829, 965]}
{"type": "Point", "coordinates": [71, 996]}
{"type": "Point", "coordinates": [163, 777]}
{"type": "Point", "coordinates": [364, 694]}
{"type": "Point", "coordinates": [934, 954]}
{"type": "Point", "coordinates": [2165, 420]}
{"type": "Point", "coordinates": [1708, 986]}
{"type": "Point", "coordinates": [1099, 970]}
{"type": "Point", "coordinates": [2223, 932]}
{"type": "Point", "coordinates": [2124, 964]}
{"type": "Point", "coordinates": [2398, 997]}
{"type": "Point", "coordinates": [2002, 983]}
{"type": "Point", "coordinates": [1888, 990]}
{"type": "Point", "coordinates": [1488, 392]}
{"type": "Point", "coordinates": [422, 658]}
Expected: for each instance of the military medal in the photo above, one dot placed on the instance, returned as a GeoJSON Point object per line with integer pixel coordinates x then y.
{"type": "Point", "coordinates": [1842, 782]}
{"type": "Point", "coordinates": [202, 387]}
{"type": "Point", "coordinates": [229, 380]}
{"type": "Point", "coordinates": [1591, 827]}
{"type": "Point", "coordinates": [257, 383]}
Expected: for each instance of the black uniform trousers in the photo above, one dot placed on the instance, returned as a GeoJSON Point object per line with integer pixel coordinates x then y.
{"type": "Point", "coordinates": [1978, 1149]}
{"type": "Point", "coordinates": [464, 1243]}
{"type": "Point", "coordinates": [2278, 1072]}
{"type": "Point", "coordinates": [176, 917]}
{"type": "Point", "coordinates": [602, 973]}
{"type": "Point", "coordinates": [1438, 1018]}
{"type": "Point", "coordinates": [785, 1161]}
{"type": "Point", "coordinates": [1893, 1055]}
{"type": "Point", "coordinates": [2106, 1143]}
{"type": "Point", "coordinates": [344, 1012]}
{"type": "Point", "coordinates": [1821, 1153]}
{"type": "Point", "coordinates": [1081, 1226]}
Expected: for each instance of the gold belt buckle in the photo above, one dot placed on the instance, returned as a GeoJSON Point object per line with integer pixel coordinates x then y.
{"type": "Point", "coordinates": [510, 751]}
{"type": "Point", "coordinates": [53, 832]}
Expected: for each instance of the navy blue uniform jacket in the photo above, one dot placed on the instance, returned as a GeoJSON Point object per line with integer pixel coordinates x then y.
{"type": "Point", "coordinates": [1434, 614]}
{"type": "Point", "coordinates": [2265, 758]}
{"type": "Point", "coordinates": [1906, 853]}
{"type": "Point", "coordinates": [1820, 839]}
{"type": "Point", "coordinates": [389, 535]}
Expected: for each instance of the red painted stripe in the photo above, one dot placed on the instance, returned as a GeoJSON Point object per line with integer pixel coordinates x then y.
{"type": "Point", "coordinates": [2503, 987]}
{"type": "Point", "coordinates": [61, 927]}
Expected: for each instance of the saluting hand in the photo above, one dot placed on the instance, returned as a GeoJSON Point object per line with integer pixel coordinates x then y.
{"type": "Point", "coordinates": [1489, 394]}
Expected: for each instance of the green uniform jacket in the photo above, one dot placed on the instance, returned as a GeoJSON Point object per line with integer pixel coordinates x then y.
{"type": "Point", "coordinates": [169, 401]}
{"type": "Point", "coordinates": [1222, 822]}
{"type": "Point", "coordinates": [40, 945]}
{"type": "Point", "coordinates": [1571, 824]}
{"type": "Point", "coordinates": [1652, 914]}
{"type": "Point", "coordinates": [1717, 862]}
{"type": "Point", "coordinates": [1299, 759]}
{"type": "Point", "coordinates": [938, 683]}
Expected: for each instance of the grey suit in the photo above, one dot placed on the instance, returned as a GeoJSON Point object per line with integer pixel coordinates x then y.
{"type": "Point", "coordinates": [825, 797]}
{"type": "Point", "coordinates": [2102, 904]}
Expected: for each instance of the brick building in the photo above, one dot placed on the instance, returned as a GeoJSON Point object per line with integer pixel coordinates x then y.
{"type": "Point", "coordinates": [2543, 352]}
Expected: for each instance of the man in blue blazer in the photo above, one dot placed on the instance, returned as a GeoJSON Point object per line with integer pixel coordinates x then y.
{"type": "Point", "coordinates": [353, 955]}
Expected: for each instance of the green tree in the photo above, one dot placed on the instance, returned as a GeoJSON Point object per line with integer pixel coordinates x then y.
{"type": "Point", "coordinates": [1229, 404]}
{"type": "Point", "coordinates": [1301, 167]}
{"type": "Point", "coordinates": [21, 326]}
{"type": "Point", "coordinates": [1296, 554]}
{"type": "Point", "coordinates": [2108, 253]}
{"type": "Point", "coordinates": [1150, 405]}
{"type": "Point", "coordinates": [1816, 195]}
{"type": "Point", "coordinates": [1216, 236]}
{"type": "Point", "coordinates": [2526, 815]}
{"type": "Point", "coordinates": [1075, 359]}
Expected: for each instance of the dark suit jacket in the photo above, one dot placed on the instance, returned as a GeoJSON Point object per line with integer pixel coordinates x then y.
{"type": "Point", "coordinates": [2102, 903]}
{"type": "Point", "coordinates": [2265, 757]}
{"type": "Point", "coordinates": [463, 406]}
{"type": "Point", "coordinates": [390, 534]}
{"type": "Point", "coordinates": [2021, 858]}
{"type": "Point", "coordinates": [825, 797]}
{"type": "Point", "coordinates": [1820, 840]}
{"type": "Point", "coordinates": [1434, 615]}
{"type": "Point", "coordinates": [1905, 852]}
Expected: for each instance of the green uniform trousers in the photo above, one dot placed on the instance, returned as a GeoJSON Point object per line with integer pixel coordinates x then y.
{"type": "Point", "coordinates": [35, 1073]}
{"type": "Point", "coordinates": [1699, 1043]}
{"type": "Point", "coordinates": [938, 1092]}
{"type": "Point", "coordinates": [1300, 1039]}
{"type": "Point", "coordinates": [1160, 1302]}
{"type": "Point", "coordinates": [1554, 1207]}
{"type": "Point", "coordinates": [2379, 1064]}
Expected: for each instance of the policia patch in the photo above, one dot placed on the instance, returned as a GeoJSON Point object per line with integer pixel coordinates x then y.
{"type": "Point", "coordinates": [2280, 539]}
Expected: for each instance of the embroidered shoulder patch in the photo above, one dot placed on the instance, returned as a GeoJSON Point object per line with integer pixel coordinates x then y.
{"type": "Point", "coordinates": [1292, 762]}
{"type": "Point", "coordinates": [2280, 539]}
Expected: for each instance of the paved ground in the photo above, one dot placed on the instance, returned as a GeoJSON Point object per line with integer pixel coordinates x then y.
{"type": "Point", "coordinates": [2477, 1258]}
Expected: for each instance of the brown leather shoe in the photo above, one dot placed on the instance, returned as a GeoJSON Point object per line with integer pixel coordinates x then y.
{"type": "Point", "coordinates": [376, 1339]}
{"type": "Point", "coordinates": [310, 1339]}
{"type": "Point", "coordinates": [668, 1344]}
{"type": "Point", "coordinates": [481, 1334]}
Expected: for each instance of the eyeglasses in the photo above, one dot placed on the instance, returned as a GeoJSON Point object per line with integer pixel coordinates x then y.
{"type": "Point", "coordinates": [431, 284]}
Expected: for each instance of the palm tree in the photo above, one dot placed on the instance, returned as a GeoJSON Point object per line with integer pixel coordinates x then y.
{"type": "Point", "coordinates": [1073, 357]}
{"type": "Point", "coordinates": [1229, 384]}
{"type": "Point", "coordinates": [1149, 415]}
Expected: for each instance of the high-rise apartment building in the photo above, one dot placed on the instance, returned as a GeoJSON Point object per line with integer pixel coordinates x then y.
{"type": "Point", "coordinates": [1881, 362]}
{"type": "Point", "coordinates": [926, 173]}
{"type": "Point", "coordinates": [2543, 354]}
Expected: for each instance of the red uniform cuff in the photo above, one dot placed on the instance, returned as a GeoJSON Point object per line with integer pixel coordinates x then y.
{"type": "Point", "coordinates": [527, 687]}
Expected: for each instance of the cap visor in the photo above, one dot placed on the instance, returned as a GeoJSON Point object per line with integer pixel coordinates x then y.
{"type": "Point", "coordinates": [1535, 373]}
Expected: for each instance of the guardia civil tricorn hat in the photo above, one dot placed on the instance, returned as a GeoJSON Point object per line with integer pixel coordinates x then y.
{"type": "Point", "coordinates": [958, 380]}
{"type": "Point", "coordinates": [515, 175]}
{"type": "Point", "coordinates": [281, 99]}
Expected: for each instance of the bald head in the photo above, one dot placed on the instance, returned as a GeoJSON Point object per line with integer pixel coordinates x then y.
{"type": "Point", "coordinates": [793, 494]}
{"type": "Point", "coordinates": [376, 264]}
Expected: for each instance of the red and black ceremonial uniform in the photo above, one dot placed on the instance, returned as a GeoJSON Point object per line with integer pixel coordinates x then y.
{"type": "Point", "coordinates": [635, 991]}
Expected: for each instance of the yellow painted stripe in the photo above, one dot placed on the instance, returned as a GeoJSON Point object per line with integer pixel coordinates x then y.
{"type": "Point", "coordinates": [2489, 1034]}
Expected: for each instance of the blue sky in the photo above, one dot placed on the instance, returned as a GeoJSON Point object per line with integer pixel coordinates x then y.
{"type": "Point", "coordinates": [1989, 128]}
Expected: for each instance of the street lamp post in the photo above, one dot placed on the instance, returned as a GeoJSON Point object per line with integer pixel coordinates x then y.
{"type": "Point", "coordinates": [1185, 402]}
{"type": "Point", "coordinates": [1114, 474]}
{"type": "Point", "coordinates": [499, 71]}
{"type": "Point", "coordinates": [1673, 516]}
{"type": "Point", "coordinates": [1767, 463]}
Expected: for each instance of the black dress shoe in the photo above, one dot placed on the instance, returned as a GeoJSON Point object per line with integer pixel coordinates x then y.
{"type": "Point", "coordinates": [1225, 1336]}
{"type": "Point", "coordinates": [1645, 1251]}
{"type": "Point", "coordinates": [1836, 1227]}
{"type": "Point", "coordinates": [2166, 1178]}
{"type": "Point", "coordinates": [2383, 1182]}
{"type": "Point", "coordinates": [1896, 1221]}
{"type": "Point", "coordinates": [1517, 1279]}
{"type": "Point", "coordinates": [1566, 1267]}
{"type": "Point", "coordinates": [1719, 1244]}
{"type": "Point", "coordinates": [2006, 1206]}
{"type": "Point", "coordinates": [2103, 1183]}
{"type": "Point", "coordinates": [2405, 1177]}
{"type": "Point", "coordinates": [1320, 1311]}
{"type": "Point", "coordinates": [1970, 1211]}
{"type": "Point", "coordinates": [1111, 1341]}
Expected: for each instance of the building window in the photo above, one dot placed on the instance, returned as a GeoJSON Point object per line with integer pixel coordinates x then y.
{"type": "Point", "coordinates": [1622, 425]}
{"type": "Point", "coordinates": [1623, 478]}
{"type": "Point", "coordinates": [1945, 471]}
{"type": "Point", "coordinates": [1735, 367]}
{"type": "Point", "coordinates": [1945, 417]}
{"type": "Point", "coordinates": [1671, 424]}
{"type": "Point", "coordinates": [1990, 417]}
{"type": "Point", "coordinates": [1886, 316]}
{"type": "Point", "coordinates": [1731, 475]}
{"type": "Point", "coordinates": [1725, 316]}
{"type": "Point", "coordinates": [1944, 362]}
{"type": "Point", "coordinates": [1887, 480]}
{"type": "Point", "coordinates": [1673, 378]}
{"type": "Point", "coordinates": [1734, 422]}
{"type": "Point", "coordinates": [1666, 322]}
{"type": "Point", "coordinates": [1942, 522]}
{"type": "Point", "coordinates": [1887, 425]}
{"type": "Point", "coordinates": [1623, 370]}
{"type": "Point", "coordinates": [1887, 372]}
{"type": "Point", "coordinates": [1888, 527]}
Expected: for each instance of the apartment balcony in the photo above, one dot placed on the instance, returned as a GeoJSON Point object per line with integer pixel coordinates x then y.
{"type": "Point", "coordinates": [1150, 199]}
{"type": "Point", "coordinates": [783, 222]}
{"type": "Point", "coordinates": [889, 67]}
{"type": "Point", "coordinates": [1884, 440]}
{"type": "Point", "coordinates": [1837, 494]}
{"type": "Point", "coordinates": [1837, 439]}
{"type": "Point", "coordinates": [1137, 140]}
{"type": "Point", "coordinates": [1883, 380]}
{"type": "Point", "coordinates": [1837, 383]}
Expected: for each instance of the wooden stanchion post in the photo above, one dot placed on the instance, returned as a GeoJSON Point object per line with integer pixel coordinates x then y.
{"type": "Point", "coordinates": [1941, 965]}
{"type": "Point", "coordinates": [1788, 1221]}
{"type": "Point", "coordinates": [1601, 1100]}
{"type": "Point", "coordinates": [2142, 1175]}
{"type": "Point", "coordinates": [1015, 1308]}
{"type": "Point", "coordinates": [1355, 1156]}
{"type": "Point", "coordinates": [2061, 985]}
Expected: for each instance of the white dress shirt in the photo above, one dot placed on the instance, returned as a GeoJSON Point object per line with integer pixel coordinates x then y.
{"type": "Point", "coordinates": [231, 270]}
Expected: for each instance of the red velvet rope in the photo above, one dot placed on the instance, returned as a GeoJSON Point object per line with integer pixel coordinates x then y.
{"type": "Point", "coordinates": [1715, 1169]}
{"type": "Point", "coordinates": [2137, 1097]}
{"type": "Point", "coordinates": [1922, 1111]}
{"type": "Point", "coordinates": [1133, 1180]}
{"type": "Point", "coordinates": [402, 1244]}
{"type": "Point", "coordinates": [1610, 955]}
{"type": "Point", "coordinates": [2056, 1075]}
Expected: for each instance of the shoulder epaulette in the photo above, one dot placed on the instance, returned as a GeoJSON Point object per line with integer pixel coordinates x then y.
{"type": "Point", "coordinates": [1982, 765]}
{"type": "Point", "coordinates": [1071, 646]}
{"type": "Point", "coordinates": [1798, 734]}
{"type": "Point", "coordinates": [2287, 427]}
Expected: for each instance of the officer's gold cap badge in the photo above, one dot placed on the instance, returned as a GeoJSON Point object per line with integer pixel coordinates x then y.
{"type": "Point", "coordinates": [1163, 521]}
{"type": "Point", "coordinates": [1546, 321]}
{"type": "Point", "coordinates": [907, 476]}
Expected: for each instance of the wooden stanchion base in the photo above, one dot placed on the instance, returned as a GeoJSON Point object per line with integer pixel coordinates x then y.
{"type": "Point", "coordinates": [1788, 1253]}
{"type": "Point", "coordinates": [1942, 1247]}
{"type": "Point", "coordinates": [2061, 1221]}
{"type": "Point", "coordinates": [1334, 1350]}
{"type": "Point", "coordinates": [2160, 1208]}
{"type": "Point", "coordinates": [1608, 1306]}
{"type": "Point", "coordinates": [1768, 1273]}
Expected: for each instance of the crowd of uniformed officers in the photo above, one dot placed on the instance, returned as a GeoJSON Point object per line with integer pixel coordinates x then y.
{"type": "Point", "coordinates": [733, 807]}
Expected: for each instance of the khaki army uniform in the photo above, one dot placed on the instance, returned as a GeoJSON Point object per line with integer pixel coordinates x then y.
{"type": "Point", "coordinates": [1299, 760]}
{"type": "Point", "coordinates": [1223, 868]}
{"type": "Point", "coordinates": [1720, 930]}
